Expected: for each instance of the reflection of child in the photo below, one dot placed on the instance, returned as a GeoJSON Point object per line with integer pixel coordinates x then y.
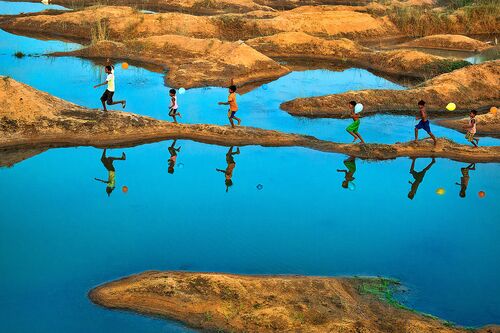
{"type": "Point", "coordinates": [354, 126]}
{"type": "Point", "coordinates": [418, 177]}
{"type": "Point", "coordinates": [173, 157]}
{"type": "Point", "coordinates": [231, 164]}
{"type": "Point", "coordinates": [464, 180]}
{"type": "Point", "coordinates": [108, 164]}
{"type": "Point", "coordinates": [471, 129]}
{"type": "Point", "coordinates": [350, 164]}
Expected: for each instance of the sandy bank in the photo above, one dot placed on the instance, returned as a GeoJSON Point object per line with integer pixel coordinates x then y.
{"type": "Point", "coordinates": [123, 23]}
{"type": "Point", "coordinates": [397, 62]}
{"type": "Point", "coordinates": [33, 119]}
{"type": "Point", "coordinates": [192, 62]}
{"type": "Point", "coordinates": [245, 303]}
{"type": "Point", "coordinates": [474, 86]}
{"type": "Point", "coordinates": [448, 42]}
{"type": "Point", "coordinates": [487, 124]}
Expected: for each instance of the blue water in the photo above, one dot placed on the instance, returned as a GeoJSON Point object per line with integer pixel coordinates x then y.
{"type": "Point", "coordinates": [61, 235]}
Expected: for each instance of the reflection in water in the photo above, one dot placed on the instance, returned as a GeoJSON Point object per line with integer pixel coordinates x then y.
{"type": "Point", "coordinates": [108, 164]}
{"type": "Point", "coordinates": [231, 164]}
{"type": "Point", "coordinates": [464, 180]}
{"type": "Point", "coordinates": [350, 164]}
{"type": "Point", "coordinates": [418, 177]}
{"type": "Point", "coordinates": [173, 156]}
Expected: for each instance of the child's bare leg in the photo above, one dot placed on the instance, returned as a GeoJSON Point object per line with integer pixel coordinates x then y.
{"type": "Point", "coordinates": [175, 120]}
{"type": "Point", "coordinates": [474, 143]}
{"type": "Point", "coordinates": [416, 134]}
{"type": "Point", "coordinates": [354, 135]}
{"type": "Point", "coordinates": [238, 120]}
{"type": "Point", "coordinates": [359, 136]}
{"type": "Point", "coordinates": [232, 122]}
{"type": "Point", "coordinates": [433, 138]}
{"type": "Point", "coordinates": [104, 105]}
{"type": "Point", "coordinates": [118, 102]}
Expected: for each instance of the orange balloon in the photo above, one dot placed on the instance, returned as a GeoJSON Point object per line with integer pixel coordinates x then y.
{"type": "Point", "coordinates": [481, 194]}
{"type": "Point", "coordinates": [124, 189]}
{"type": "Point", "coordinates": [124, 65]}
{"type": "Point", "coordinates": [493, 110]}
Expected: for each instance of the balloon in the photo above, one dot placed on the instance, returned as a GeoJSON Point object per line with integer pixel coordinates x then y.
{"type": "Point", "coordinates": [124, 189]}
{"type": "Point", "coordinates": [481, 194]}
{"type": "Point", "coordinates": [124, 65]}
{"type": "Point", "coordinates": [182, 91]}
{"type": "Point", "coordinates": [451, 106]}
{"type": "Point", "coordinates": [351, 186]}
{"type": "Point", "coordinates": [358, 108]}
{"type": "Point", "coordinates": [493, 110]}
{"type": "Point", "coordinates": [440, 191]}
{"type": "Point", "coordinates": [260, 187]}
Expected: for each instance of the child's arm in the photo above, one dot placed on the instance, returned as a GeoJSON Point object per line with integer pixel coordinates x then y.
{"type": "Point", "coordinates": [101, 180]}
{"type": "Point", "coordinates": [220, 170]}
{"type": "Point", "coordinates": [101, 84]}
{"type": "Point", "coordinates": [344, 171]}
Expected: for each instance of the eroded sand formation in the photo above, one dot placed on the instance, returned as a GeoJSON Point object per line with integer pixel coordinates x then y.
{"type": "Point", "coordinates": [122, 23]}
{"type": "Point", "coordinates": [302, 45]}
{"type": "Point", "coordinates": [192, 62]}
{"type": "Point", "coordinates": [34, 119]}
{"type": "Point", "coordinates": [448, 42]}
{"type": "Point", "coordinates": [245, 303]}
{"type": "Point", "coordinates": [472, 87]}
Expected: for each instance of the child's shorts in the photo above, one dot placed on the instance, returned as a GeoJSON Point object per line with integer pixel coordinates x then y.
{"type": "Point", "coordinates": [469, 136]}
{"type": "Point", "coordinates": [425, 125]}
{"type": "Point", "coordinates": [107, 97]}
{"type": "Point", "coordinates": [353, 127]}
{"type": "Point", "coordinates": [231, 114]}
{"type": "Point", "coordinates": [172, 112]}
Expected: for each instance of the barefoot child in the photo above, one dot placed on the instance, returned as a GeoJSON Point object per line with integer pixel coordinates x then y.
{"type": "Point", "coordinates": [173, 157]}
{"type": "Point", "coordinates": [423, 123]}
{"type": "Point", "coordinates": [233, 107]}
{"type": "Point", "coordinates": [173, 106]}
{"type": "Point", "coordinates": [417, 176]}
{"type": "Point", "coordinates": [107, 96]}
{"type": "Point", "coordinates": [108, 164]}
{"type": "Point", "coordinates": [354, 126]}
{"type": "Point", "coordinates": [464, 180]}
{"type": "Point", "coordinates": [471, 129]}
{"type": "Point", "coordinates": [231, 164]}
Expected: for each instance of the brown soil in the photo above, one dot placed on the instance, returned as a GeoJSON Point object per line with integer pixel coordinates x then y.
{"type": "Point", "coordinates": [486, 124]}
{"type": "Point", "coordinates": [397, 62]}
{"type": "Point", "coordinates": [9, 157]}
{"type": "Point", "coordinates": [40, 120]}
{"type": "Point", "coordinates": [474, 86]}
{"type": "Point", "coordinates": [192, 62]}
{"type": "Point", "coordinates": [448, 42]}
{"type": "Point", "coordinates": [245, 303]}
{"type": "Point", "coordinates": [123, 23]}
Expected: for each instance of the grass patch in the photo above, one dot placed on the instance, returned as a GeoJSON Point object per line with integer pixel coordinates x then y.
{"type": "Point", "coordinates": [19, 54]}
{"type": "Point", "coordinates": [99, 31]}
{"type": "Point", "coordinates": [383, 289]}
{"type": "Point", "coordinates": [444, 66]}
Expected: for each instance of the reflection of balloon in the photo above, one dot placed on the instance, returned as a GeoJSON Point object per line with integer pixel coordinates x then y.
{"type": "Point", "coordinates": [182, 91]}
{"type": "Point", "coordinates": [180, 165]}
{"type": "Point", "coordinates": [451, 106]}
{"type": "Point", "coordinates": [351, 186]}
{"type": "Point", "coordinates": [264, 86]}
{"type": "Point", "coordinates": [124, 189]}
{"type": "Point", "coordinates": [124, 65]}
{"type": "Point", "coordinates": [493, 110]}
{"type": "Point", "coordinates": [358, 108]}
{"type": "Point", "coordinates": [260, 187]}
{"type": "Point", "coordinates": [440, 191]}
{"type": "Point", "coordinates": [481, 194]}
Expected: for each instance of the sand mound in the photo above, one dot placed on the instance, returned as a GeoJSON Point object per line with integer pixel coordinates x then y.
{"type": "Point", "coordinates": [192, 62]}
{"type": "Point", "coordinates": [448, 42]}
{"type": "Point", "coordinates": [486, 124]}
{"type": "Point", "coordinates": [397, 62]}
{"type": "Point", "coordinates": [474, 86]}
{"type": "Point", "coordinates": [243, 303]}
{"type": "Point", "coordinates": [123, 23]}
{"type": "Point", "coordinates": [20, 103]}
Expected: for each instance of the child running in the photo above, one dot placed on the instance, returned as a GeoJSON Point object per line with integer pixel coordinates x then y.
{"type": "Point", "coordinates": [418, 177]}
{"type": "Point", "coordinates": [471, 129]}
{"type": "Point", "coordinates": [173, 105]}
{"type": "Point", "coordinates": [354, 126]}
{"type": "Point", "coordinates": [464, 180]}
{"type": "Point", "coordinates": [424, 122]}
{"type": "Point", "coordinates": [233, 107]}
{"type": "Point", "coordinates": [107, 96]}
{"type": "Point", "coordinates": [173, 157]}
{"type": "Point", "coordinates": [231, 164]}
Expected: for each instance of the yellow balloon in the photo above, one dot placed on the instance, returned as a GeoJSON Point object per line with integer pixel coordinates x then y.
{"type": "Point", "coordinates": [440, 191]}
{"type": "Point", "coordinates": [493, 110]}
{"type": "Point", "coordinates": [124, 65]}
{"type": "Point", "coordinates": [451, 106]}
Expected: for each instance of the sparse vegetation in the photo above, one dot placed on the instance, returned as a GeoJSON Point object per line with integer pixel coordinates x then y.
{"type": "Point", "coordinates": [99, 31]}
{"type": "Point", "coordinates": [19, 54]}
{"type": "Point", "coordinates": [444, 66]}
{"type": "Point", "coordinates": [383, 289]}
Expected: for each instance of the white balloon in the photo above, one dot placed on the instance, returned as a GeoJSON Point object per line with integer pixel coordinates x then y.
{"type": "Point", "coordinates": [182, 91]}
{"type": "Point", "coordinates": [358, 108]}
